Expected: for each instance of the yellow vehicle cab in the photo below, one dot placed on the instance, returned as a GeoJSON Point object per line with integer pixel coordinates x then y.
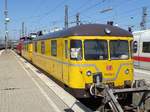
{"type": "Point", "coordinates": [75, 55]}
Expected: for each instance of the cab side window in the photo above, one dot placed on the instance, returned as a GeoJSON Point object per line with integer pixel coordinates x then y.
{"type": "Point", "coordinates": [146, 47]}
{"type": "Point", "coordinates": [135, 46]}
{"type": "Point", "coordinates": [53, 48]}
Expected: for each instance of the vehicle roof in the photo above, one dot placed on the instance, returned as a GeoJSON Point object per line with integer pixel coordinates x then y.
{"type": "Point", "coordinates": [88, 30]}
{"type": "Point", "coordinates": [143, 34]}
{"type": "Point", "coordinates": [141, 31]}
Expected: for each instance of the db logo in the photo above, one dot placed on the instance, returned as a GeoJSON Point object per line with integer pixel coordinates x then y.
{"type": "Point", "coordinates": [109, 67]}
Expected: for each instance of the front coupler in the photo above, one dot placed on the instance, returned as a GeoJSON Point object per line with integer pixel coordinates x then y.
{"type": "Point", "coordinates": [137, 97]}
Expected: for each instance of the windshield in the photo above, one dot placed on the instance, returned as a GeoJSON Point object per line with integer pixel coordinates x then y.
{"type": "Point", "coordinates": [119, 49]}
{"type": "Point", "coordinates": [95, 49]}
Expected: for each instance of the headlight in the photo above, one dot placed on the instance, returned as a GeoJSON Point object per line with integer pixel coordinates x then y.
{"type": "Point", "coordinates": [126, 71]}
{"type": "Point", "coordinates": [88, 73]}
{"type": "Point", "coordinates": [107, 31]}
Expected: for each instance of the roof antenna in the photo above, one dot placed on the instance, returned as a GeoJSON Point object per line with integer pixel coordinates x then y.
{"type": "Point", "coordinates": [110, 23]}
{"type": "Point", "coordinates": [78, 19]}
{"type": "Point", "coordinates": [130, 29]}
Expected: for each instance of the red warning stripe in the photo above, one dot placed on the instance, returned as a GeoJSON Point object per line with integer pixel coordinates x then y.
{"type": "Point", "coordinates": [138, 58]}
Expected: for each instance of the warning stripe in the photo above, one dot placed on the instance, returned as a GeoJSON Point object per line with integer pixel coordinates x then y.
{"type": "Point", "coordinates": [144, 59]}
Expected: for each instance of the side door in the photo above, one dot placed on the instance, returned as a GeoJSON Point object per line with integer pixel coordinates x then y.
{"type": "Point", "coordinates": [65, 61]}
{"type": "Point", "coordinates": [136, 50]}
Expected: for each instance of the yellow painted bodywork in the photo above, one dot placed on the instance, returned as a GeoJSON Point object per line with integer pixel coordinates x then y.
{"type": "Point", "coordinates": [73, 73]}
{"type": "Point", "coordinates": [27, 51]}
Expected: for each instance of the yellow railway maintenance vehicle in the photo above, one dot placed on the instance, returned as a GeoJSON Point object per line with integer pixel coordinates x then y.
{"type": "Point", "coordinates": [85, 57]}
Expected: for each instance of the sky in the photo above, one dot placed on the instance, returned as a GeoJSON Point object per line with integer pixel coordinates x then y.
{"type": "Point", "coordinates": [47, 14]}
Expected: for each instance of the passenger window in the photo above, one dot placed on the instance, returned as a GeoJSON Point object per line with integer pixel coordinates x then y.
{"type": "Point", "coordinates": [66, 48]}
{"type": "Point", "coordinates": [76, 49]}
{"type": "Point", "coordinates": [35, 46]}
{"type": "Point", "coordinates": [54, 48]}
{"type": "Point", "coordinates": [42, 47]}
{"type": "Point", "coordinates": [146, 47]}
{"type": "Point", "coordinates": [135, 45]}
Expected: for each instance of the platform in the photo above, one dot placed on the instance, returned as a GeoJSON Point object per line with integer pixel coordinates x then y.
{"type": "Point", "coordinates": [23, 91]}
{"type": "Point", "coordinates": [142, 74]}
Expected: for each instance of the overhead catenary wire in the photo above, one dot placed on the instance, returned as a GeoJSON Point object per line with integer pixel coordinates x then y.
{"type": "Point", "coordinates": [82, 11]}
{"type": "Point", "coordinates": [92, 6]}
{"type": "Point", "coordinates": [88, 8]}
{"type": "Point", "coordinates": [127, 13]}
{"type": "Point", "coordinates": [42, 16]}
{"type": "Point", "coordinates": [30, 18]}
{"type": "Point", "coordinates": [46, 14]}
{"type": "Point", "coordinates": [81, 6]}
{"type": "Point", "coordinates": [85, 9]}
{"type": "Point", "coordinates": [117, 5]}
{"type": "Point", "coordinates": [39, 6]}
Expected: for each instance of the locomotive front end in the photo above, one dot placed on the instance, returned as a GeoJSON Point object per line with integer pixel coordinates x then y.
{"type": "Point", "coordinates": [100, 60]}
